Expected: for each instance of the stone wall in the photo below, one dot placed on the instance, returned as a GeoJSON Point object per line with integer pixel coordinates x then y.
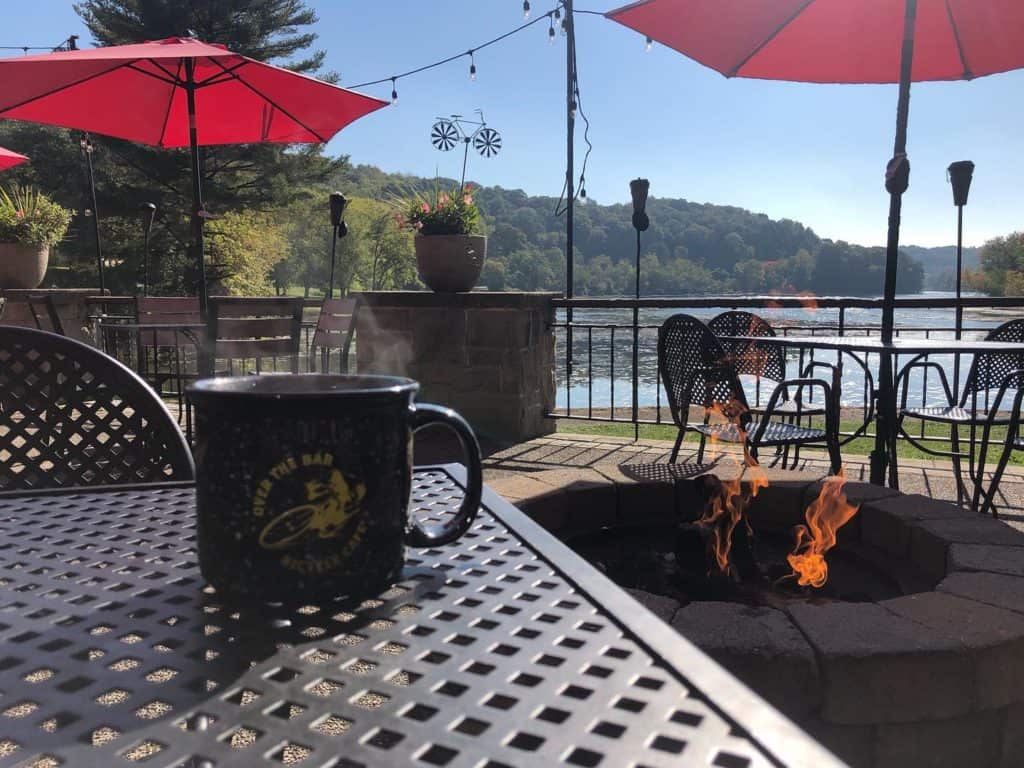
{"type": "Point", "coordinates": [488, 355]}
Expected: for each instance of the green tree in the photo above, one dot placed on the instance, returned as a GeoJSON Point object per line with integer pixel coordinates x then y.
{"type": "Point", "coordinates": [244, 248]}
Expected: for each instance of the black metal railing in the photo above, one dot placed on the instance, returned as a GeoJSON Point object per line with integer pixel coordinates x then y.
{"type": "Point", "coordinates": [607, 371]}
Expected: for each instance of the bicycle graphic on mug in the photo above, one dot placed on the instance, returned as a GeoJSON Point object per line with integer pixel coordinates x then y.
{"type": "Point", "coordinates": [328, 510]}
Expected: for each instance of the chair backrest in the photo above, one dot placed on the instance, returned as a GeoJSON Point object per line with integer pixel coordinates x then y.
{"type": "Point", "coordinates": [750, 358]}
{"type": "Point", "coordinates": [73, 416]}
{"type": "Point", "coordinates": [254, 329]}
{"type": "Point", "coordinates": [44, 312]}
{"type": "Point", "coordinates": [694, 368]}
{"type": "Point", "coordinates": [334, 329]}
{"type": "Point", "coordinates": [990, 368]}
{"type": "Point", "coordinates": [165, 309]}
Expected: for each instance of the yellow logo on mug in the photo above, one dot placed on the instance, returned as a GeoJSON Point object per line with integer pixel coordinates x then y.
{"type": "Point", "coordinates": [323, 504]}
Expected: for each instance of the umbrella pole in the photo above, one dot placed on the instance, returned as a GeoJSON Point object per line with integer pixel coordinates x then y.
{"type": "Point", "coordinates": [197, 190]}
{"type": "Point", "coordinates": [896, 181]}
{"type": "Point", "coordinates": [87, 148]}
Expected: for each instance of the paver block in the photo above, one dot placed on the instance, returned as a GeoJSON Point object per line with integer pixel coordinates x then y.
{"type": "Point", "coordinates": [662, 607]}
{"type": "Point", "coordinates": [877, 666]}
{"type": "Point", "coordinates": [545, 505]}
{"type": "Point", "coordinates": [994, 638]}
{"type": "Point", "coordinates": [591, 501]}
{"type": "Point", "coordinates": [854, 744]}
{"type": "Point", "coordinates": [758, 645]}
{"type": "Point", "coordinates": [994, 558]}
{"type": "Point", "coordinates": [970, 741]}
{"type": "Point", "coordinates": [1012, 747]}
{"type": "Point", "coordinates": [639, 497]}
{"type": "Point", "coordinates": [781, 505]}
{"type": "Point", "coordinates": [930, 540]}
{"type": "Point", "coordinates": [991, 588]}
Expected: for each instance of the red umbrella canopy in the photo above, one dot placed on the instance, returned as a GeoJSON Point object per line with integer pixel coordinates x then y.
{"type": "Point", "coordinates": [10, 159]}
{"type": "Point", "coordinates": [836, 41]}
{"type": "Point", "coordinates": [139, 92]}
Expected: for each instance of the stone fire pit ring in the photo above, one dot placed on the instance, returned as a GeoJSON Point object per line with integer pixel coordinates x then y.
{"type": "Point", "coordinates": [933, 678]}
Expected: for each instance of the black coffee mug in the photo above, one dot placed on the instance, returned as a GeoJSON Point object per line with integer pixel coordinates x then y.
{"type": "Point", "coordinates": [303, 483]}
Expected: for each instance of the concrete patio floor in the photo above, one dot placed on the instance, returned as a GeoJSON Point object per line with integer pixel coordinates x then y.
{"type": "Point", "coordinates": [930, 478]}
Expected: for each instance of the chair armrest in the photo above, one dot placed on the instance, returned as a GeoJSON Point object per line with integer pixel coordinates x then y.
{"type": "Point", "coordinates": [779, 391]}
{"type": "Point", "coordinates": [904, 374]}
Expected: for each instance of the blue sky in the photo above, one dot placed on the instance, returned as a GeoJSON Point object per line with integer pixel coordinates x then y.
{"type": "Point", "coordinates": [813, 153]}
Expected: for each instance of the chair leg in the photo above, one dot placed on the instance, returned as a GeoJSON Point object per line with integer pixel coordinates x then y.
{"type": "Point", "coordinates": [954, 444]}
{"type": "Point", "coordinates": [990, 496]}
{"type": "Point", "coordinates": [675, 448]}
{"type": "Point", "coordinates": [700, 448]}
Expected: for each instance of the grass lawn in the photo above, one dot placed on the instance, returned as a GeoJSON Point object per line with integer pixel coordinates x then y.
{"type": "Point", "coordinates": [859, 447]}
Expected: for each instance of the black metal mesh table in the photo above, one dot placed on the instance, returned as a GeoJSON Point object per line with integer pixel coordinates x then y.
{"type": "Point", "coordinates": [489, 652]}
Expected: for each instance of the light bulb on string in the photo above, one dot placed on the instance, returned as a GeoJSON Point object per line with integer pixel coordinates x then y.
{"type": "Point", "coordinates": [394, 92]}
{"type": "Point", "coordinates": [551, 32]}
{"type": "Point", "coordinates": [565, 27]}
{"type": "Point", "coordinates": [526, 9]}
{"type": "Point", "coordinates": [648, 45]}
{"type": "Point", "coordinates": [572, 109]}
{"type": "Point", "coordinates": [583, 188]}
{"type": "Point", "coordinates": [557, 14]}
{"type": "Point", "coordinates": [472, 67]}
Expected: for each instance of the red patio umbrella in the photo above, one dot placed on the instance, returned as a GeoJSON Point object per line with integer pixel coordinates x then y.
{"type": "Point", "coordinates": [10, 159]}
{"type": "Point", "coordinates": [844, 41]}
{"type": "Point", "coordinates": [177, 92]}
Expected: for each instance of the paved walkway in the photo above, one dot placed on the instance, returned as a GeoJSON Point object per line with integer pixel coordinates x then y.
{"type": "Point", "coordinates": [930, 478]}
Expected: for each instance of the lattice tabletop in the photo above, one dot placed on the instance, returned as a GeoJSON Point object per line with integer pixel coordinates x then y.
{"type": "Point", "coordinates": [490, 652]}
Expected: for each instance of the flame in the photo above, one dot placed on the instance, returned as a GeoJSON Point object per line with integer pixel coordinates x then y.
{"type": "Point", "coordinates": [825, 516]}
{"type": "Point", "coordinates": [725, 509]}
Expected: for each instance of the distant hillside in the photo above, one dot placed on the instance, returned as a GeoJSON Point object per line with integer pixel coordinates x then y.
{"type": "Point", "coordinates": [690, 248]}
{"type": "Point", "coordinates": [940, 264]}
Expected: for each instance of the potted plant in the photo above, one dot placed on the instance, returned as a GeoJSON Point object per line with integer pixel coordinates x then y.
{"type": "Point", "coordinates": [30, 223]}
{"type": "Point", "coordinates": [449, 253]}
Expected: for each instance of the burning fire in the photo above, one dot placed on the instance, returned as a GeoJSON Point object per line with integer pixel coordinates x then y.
{"type": "Point", "coordinates": [724, 510]}
{"type": "Point", "coordinates": [825, 516]}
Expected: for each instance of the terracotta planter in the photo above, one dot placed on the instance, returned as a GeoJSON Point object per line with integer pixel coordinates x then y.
{"type": "Point", "coordinates": [22, 266]}
{"type": "Point", "coordinates": [450, 263]}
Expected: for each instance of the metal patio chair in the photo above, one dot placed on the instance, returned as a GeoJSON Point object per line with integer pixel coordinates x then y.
{"type": "Point", "coordinates": [983, 498]}
{"type": "Point", "coordinates": [974, 410]}
{"type": "Point", "coordinates": [71, 416]}
{"type": "Point", "coordinates": [44, 313]}
{"type": "Point", "coordinates": [696, 369]}
{"type": "Point", "coordinates": [334, 330]}
{"type": "Point", "coordinates": [240, 330]}
{"type": "Point", "coordinates": [766, 365]}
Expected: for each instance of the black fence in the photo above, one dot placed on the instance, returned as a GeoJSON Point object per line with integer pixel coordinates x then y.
{"type": "Point", "coordinates": [607, 349]}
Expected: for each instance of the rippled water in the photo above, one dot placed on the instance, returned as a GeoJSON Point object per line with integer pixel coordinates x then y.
{"type": "Point", "coordinates": [595, 373]}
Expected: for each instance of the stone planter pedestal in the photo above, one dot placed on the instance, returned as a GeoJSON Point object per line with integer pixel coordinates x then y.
{"type": "Point", "coordinates": [488, 355]}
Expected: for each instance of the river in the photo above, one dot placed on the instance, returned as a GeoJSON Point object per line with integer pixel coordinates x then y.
{"type": "Point", "coordinates": [933, 322]}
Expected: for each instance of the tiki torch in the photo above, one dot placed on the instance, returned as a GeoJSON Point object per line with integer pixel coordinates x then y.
{"type": "Point", "coordinates": [959, 175]}
{"type": "Point", "coordinates": [638, 189]}
{"type": "Point", "coordinates": [338, 230]}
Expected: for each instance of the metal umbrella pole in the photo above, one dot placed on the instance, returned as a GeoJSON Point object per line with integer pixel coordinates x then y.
{"type": "Point", "coordinates": [638, 189]}
{"type": "Point", "coordinates": [338, 230]}
{"type": "Point", "coordinates": [87, 148]}
{"type": "Point", "coordinates": [148, 211]}
{"type": "Point", "coordinates": [897, 179]}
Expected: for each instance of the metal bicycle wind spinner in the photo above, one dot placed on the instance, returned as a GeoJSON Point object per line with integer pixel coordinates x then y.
{"type": "Point", "coordinates": [447, 132]}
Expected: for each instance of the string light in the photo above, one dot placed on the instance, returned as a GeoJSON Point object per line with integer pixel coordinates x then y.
{"type": "Point", "coordinates": [648, 45]}
{"type": "Point", "coordinates": [551, 32]}
{"type": "Point", "coordinates": [394, 92]}
{"type": "Point", "coordinates": [572, 109]}
{"type": "Point", "coordinates": [565, 27]}
{"type": "Point", "coordinates": [472, 66]}
{"type": "Point", "coordinates": [526, 9]}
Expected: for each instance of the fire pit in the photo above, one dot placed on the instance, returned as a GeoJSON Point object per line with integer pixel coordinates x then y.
{"type": "Point", "coordinates": [912, 654]}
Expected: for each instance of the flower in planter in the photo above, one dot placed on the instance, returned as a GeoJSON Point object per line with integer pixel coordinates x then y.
{"type": "Point", "coordinates": [442, 213]}
{"type": "Point", "coordinates": [28, 217]}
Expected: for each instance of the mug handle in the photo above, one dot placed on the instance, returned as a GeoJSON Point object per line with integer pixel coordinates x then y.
{"type": "Point", "coordinates": [418, 535]}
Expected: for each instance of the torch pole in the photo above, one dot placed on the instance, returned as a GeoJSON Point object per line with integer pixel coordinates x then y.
{"type": "Point", "coordinates": [334, 249]}
{"type": "Point", "coordinates": [959, 303]}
